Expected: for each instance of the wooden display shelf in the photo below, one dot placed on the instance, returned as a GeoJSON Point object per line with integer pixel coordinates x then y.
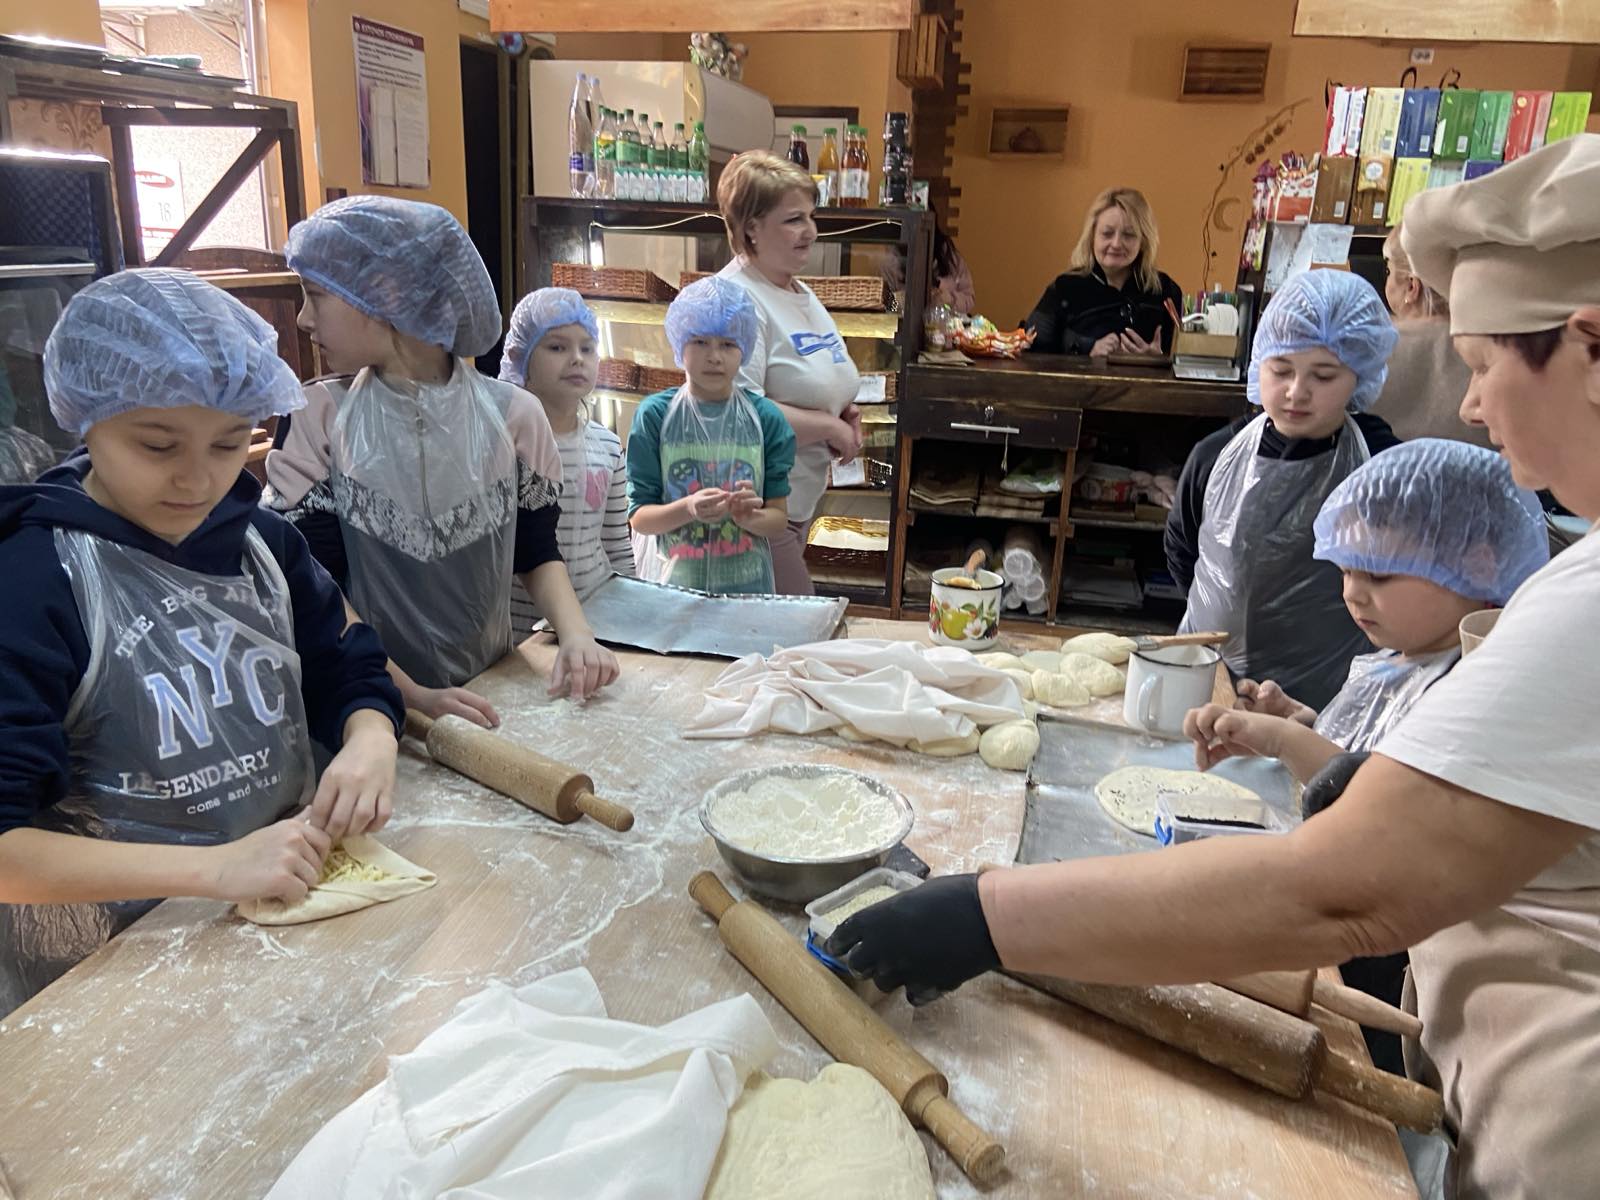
{"type": "Point", "coordinates": [1007, 125]}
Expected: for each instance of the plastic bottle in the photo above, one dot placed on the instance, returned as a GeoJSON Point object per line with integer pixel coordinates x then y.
{"type": "Point", "coordinates": [580, 140]}
{"type": "Point", "coordinates": [595, 100]}
{"type": "Point", "coordinates": [680, 148]}
{"type": "Point", "coordinates": [605, 155]}
{"type": "Point", "coordinates": [828, 163]}
{"type": "Point", "coordinates": [896, 185]}
{"type": "Point", "coordinates": [627, 139]}
{"type": "Point", "coordinates": [700, 164]}
{"type": "Point", "coordinates": [854, 169]}
{"type": "Point", "coordinates": [799, 152]}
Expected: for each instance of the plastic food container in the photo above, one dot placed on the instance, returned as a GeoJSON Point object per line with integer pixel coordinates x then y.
{"type": "Point", "coordinates": [823, 925]}
{"type": "Point", "coordinates": [1173, 828]}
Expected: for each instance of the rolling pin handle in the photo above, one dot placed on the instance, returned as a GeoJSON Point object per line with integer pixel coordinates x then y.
{"type": "Point", "coordinates": [1405, 1102]}
{"type": "Point", "coordinates": [1364, 1009]}
{"type": "Point", "coordinates": [710, 895]}
{"type": "Point", "coordinates": [608, 812]}
{"type": "Point", "coordinates": [418, 725]}
{"type": "Point", "coordinates": [978, 1154]}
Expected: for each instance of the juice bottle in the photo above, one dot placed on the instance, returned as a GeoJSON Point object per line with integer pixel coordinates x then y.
{"type": "Point", "coordinates": [854, 169]}
{"type": "Point", "coordinates": [799, 152]}
{"type": "Point", "coordinates": [828, 164]}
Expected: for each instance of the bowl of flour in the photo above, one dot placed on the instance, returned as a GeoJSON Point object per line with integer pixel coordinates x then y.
{"type": "Point", "coordinates": [798, 831]}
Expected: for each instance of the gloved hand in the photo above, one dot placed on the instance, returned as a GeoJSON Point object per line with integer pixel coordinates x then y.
{"type": "Point", "coordinates": [931, 939]}
{"type": "Point", "coordinates": [1328, 784]}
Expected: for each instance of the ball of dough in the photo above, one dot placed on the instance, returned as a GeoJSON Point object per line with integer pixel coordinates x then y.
{"type": "Point", "coordinates": [1042, 660]}
{"type": "Point", "coordinates": [1097, 676]}
{"type": "Point", "coordinates": [1024, 680]}
{"type": "Point", "coordinates": [1109, 646]}
{"type": "Point", "coordinates": [947, 747]}
{"type": "Point", "coordinates": [1000, 660]}
{"type": "Point", "coordinates": [1058, 691]}
{"type": "Point", "coordinates": [1010, 747]}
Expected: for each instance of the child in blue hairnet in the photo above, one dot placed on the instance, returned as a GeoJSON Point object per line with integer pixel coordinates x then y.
{"type": "Point", "coordinates": [1424, 534]}
{"type": "Point", "coordinates": [175, 648]}
{"type": "Point", "coordinates": [1239, 538]}
{"type": "Point", "coordinates": [424, 487]}
{"type": "Point", "coordinates": [551, 349]}
{"type": "Point", "coordinates": [708, 462]}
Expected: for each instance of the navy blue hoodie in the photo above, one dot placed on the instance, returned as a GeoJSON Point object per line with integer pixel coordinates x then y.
{"type": "Point", "coordinates": [44, 651]}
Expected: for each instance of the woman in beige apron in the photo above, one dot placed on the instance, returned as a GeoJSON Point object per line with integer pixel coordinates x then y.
{"type": "Point", "coordinates": [1471, 835]}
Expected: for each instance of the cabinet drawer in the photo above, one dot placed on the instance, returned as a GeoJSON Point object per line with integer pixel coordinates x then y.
{"type": "Point", "coordinates": [985, 421]}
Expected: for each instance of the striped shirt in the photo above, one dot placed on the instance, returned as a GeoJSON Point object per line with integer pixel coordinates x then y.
{"type": "Point", "coordinates": [592, 530]}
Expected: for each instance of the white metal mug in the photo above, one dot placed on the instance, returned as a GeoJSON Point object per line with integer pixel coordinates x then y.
{"type": "Point", "coordinates": [1164, 684]}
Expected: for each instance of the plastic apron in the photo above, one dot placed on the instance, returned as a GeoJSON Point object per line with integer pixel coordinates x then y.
{"type": "Point", "coordinates": [23, 457]}
{"type": "Point", "coordinates": [1379, 690]}
{"type": "Point", "coordinates": [710, 445]}
{"type": "Point", "coordinates": [1511, 1037]}
{"type": "Point", "coordinates": [1255, 578]}
{"type": "Point", "coordinates": [425, 479]}
{"type": "Point", "coordinates": [188, 728]}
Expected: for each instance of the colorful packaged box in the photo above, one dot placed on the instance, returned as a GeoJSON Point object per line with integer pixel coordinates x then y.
{"type": "Point", "coordinates": [1569, 115]}
{"type": "Point", "coordinates": [1369, 208]}
{"type": "Point", "coordinates": [1419, 116]}
{"type": "Point", "coordinates": [1336, 180]}
{"type": "Point", "coordinates": [1445, 173]}
{"type": "Point", "coordinates": [1410, 179]}
{"type": "Point", "coordinates": [1530, 117]}
{"type": "Point", "coordinates": [1378, 135]}
{"type": "Point", "coordinates": [1458, 110]}
{"type": "Point", "coordinates": [1488, 142]}
{"type": "Point", "coordinates": [1478, 168]}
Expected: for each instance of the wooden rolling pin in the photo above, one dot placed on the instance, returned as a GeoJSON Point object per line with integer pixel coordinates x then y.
{"type": "Point", "coordinates": [1160, 641]}
{"type": "Point", "coordinates": [532, 779]}
{"type": "Point", "coordinates": [1255, 1042]}
{"type": "Point", "coordinates": [1295, 991]}
{"type": "Point", "coordinates": [846, 1027]}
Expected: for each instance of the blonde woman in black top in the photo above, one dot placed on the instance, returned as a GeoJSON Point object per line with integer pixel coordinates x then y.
{"type": "Point", "coordinates": [1111, 300]}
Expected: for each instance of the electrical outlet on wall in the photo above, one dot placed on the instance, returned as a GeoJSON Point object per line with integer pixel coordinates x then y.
{"type": "Point", "coordinates": [1421, 56]}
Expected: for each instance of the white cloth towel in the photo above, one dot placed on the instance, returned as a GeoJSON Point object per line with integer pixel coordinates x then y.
{"type": "Point", "coordinates": [893, 691]}
{"type": "Point", "coordinates": [534, 1091]}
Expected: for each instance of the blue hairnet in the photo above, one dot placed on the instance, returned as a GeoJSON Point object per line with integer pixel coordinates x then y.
{"type": "Point", "coordinates": [1335, 309]}
{"type": "Point", "coordinates": [162, 339]}
{"type": "Point", "coordinates": [404, 262]}
{"type": "Point", "coordinates": [1446, 511]}
{"type": "Point", "coordinates": [712, 307]}
{"type": "Point", "coordinates": [537, 314]}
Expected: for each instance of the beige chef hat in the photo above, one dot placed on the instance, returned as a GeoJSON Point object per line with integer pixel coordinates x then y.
{"type": "Point", "coordinates": [1518, 250]}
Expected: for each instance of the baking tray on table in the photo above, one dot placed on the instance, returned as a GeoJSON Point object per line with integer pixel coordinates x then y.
{"type": "Point", "coordinates": [672, 620]}
{"type": "Point", "coordinates": [1063, 820]}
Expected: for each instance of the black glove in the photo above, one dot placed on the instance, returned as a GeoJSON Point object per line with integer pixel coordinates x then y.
{"type": "Point", "coordinates": [1328, 784]}
{"type": "Point", "coordinates": [930, 940]}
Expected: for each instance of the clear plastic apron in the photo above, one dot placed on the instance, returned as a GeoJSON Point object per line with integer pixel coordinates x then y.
{"type": "Point", "coordinates": [425, 480]}
{"type": "Point", "coordinates": [1255, 578]}
{"type": "Point", "coordinates": [709, 445]}
{"type": "Point", "coordinates": [1380, 689]}
{"type": "Point", "coordinates": [188, 728]}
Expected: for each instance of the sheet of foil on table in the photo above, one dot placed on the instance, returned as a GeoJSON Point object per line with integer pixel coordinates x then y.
{"type": "Point", "coordinates": [670, 620]}
{"type": "Point", "coordinates": [1063, 819]}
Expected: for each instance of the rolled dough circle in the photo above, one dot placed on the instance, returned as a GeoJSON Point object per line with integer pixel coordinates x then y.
{"type": "Point", "coordinates": [1128, 795]}
{"type": "Point", "coordinates": [1000, 660]}
{"type": "Point", "coordinates": [842, 1134]}
{"type": "Point", "coordinates": [1042, 660]}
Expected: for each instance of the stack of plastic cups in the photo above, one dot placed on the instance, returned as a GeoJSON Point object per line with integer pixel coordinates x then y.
{"type": "Point", "coordinates": [1023, 556]}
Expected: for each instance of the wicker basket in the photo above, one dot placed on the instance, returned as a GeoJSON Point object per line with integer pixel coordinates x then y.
{"type": "Point", "coordinates": [685, 278]}
{"type": "Point", "coordinates": [838, 556]}
{"type": "Point", "coordinates": [659, 379]}
{"type": "Point", "coordinates": [891, 383]}
{"type": "Point", "coordinates": [611, 283]}
{"type": "Point", "coordinates": [618, 374]}
{"type": "Point", "coordinates": [850, 293]}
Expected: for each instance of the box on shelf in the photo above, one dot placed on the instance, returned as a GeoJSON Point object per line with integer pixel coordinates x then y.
{"type": "Point", "coordinates": [1346, 111]}
{"type": "Point", "coordinates": [1336, 179]}
{"type": "Point", "coordinates": [1569, 115]}
{"type": "Point", "coordinates": [1477, 170]}
{"type": "Point", "coordinates": [1378, 137]}
{"type": "Point", "coordinates": [1419, 118]}
{"type": "Point", "coordinates": [1371, 208]}
{"type": "Point", "coordinates": [1410, 179]}
{"type": "Point", "coordinates": [1458, 112]}
{"type": "Point", "coordinates": [1530, 120]}
{"type": "Point", "coordinates": [1206, 345]}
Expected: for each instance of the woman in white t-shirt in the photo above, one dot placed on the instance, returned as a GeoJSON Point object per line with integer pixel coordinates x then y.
{"type": "Point", "coordinates": [1472, 833]}
{"type": "Point", "coordinates": [800, 361]}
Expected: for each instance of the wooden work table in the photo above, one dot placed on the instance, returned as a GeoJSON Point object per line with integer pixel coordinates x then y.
{"type": "Point", "coordinates": [196, 1054]}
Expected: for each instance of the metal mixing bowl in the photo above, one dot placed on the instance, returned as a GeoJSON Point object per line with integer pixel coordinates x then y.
{"type": "Point", "coordinates": [800, 880]}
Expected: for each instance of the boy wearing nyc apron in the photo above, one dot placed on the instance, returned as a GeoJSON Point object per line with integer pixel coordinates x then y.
{"type": "Point", "coordinates": [1239, 539]}
{"type": "Point", "coordinates": [170, 648]}
{"type": "Point", "coordinates": [708, 463]}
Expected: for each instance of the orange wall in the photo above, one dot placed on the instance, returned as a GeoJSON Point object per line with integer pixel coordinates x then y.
{"type": "Point", "coordinates": [1019, 220]}
{"type": "Point", "coordinates": [69, 20]}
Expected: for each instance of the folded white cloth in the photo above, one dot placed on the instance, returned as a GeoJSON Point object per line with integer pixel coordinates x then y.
{"type": "Point", "coordinates": [534, 1091]}
{"type": "Point", "coordinates": [896, 692]}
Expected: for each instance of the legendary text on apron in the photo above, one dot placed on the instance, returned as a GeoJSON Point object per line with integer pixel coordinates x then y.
{"type": "Point", "coordinates": [188, 727]}
{"type": "Point", "coordinates": [1255, 578]}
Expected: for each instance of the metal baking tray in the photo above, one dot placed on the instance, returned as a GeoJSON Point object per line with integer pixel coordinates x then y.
{"type": "Point", "coordinates": [1063, 820]}
{"type": "Point", "coordinates": [671, 620]}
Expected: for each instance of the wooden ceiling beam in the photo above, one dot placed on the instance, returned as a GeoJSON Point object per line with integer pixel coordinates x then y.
{"type": "Point", "coordinates": [1426, 22]}
{"type": "Point", "coordinates": [691, 16]}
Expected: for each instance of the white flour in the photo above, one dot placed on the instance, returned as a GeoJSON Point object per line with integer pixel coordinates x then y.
{"type": "Point", "coordinates": [819, 817]}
